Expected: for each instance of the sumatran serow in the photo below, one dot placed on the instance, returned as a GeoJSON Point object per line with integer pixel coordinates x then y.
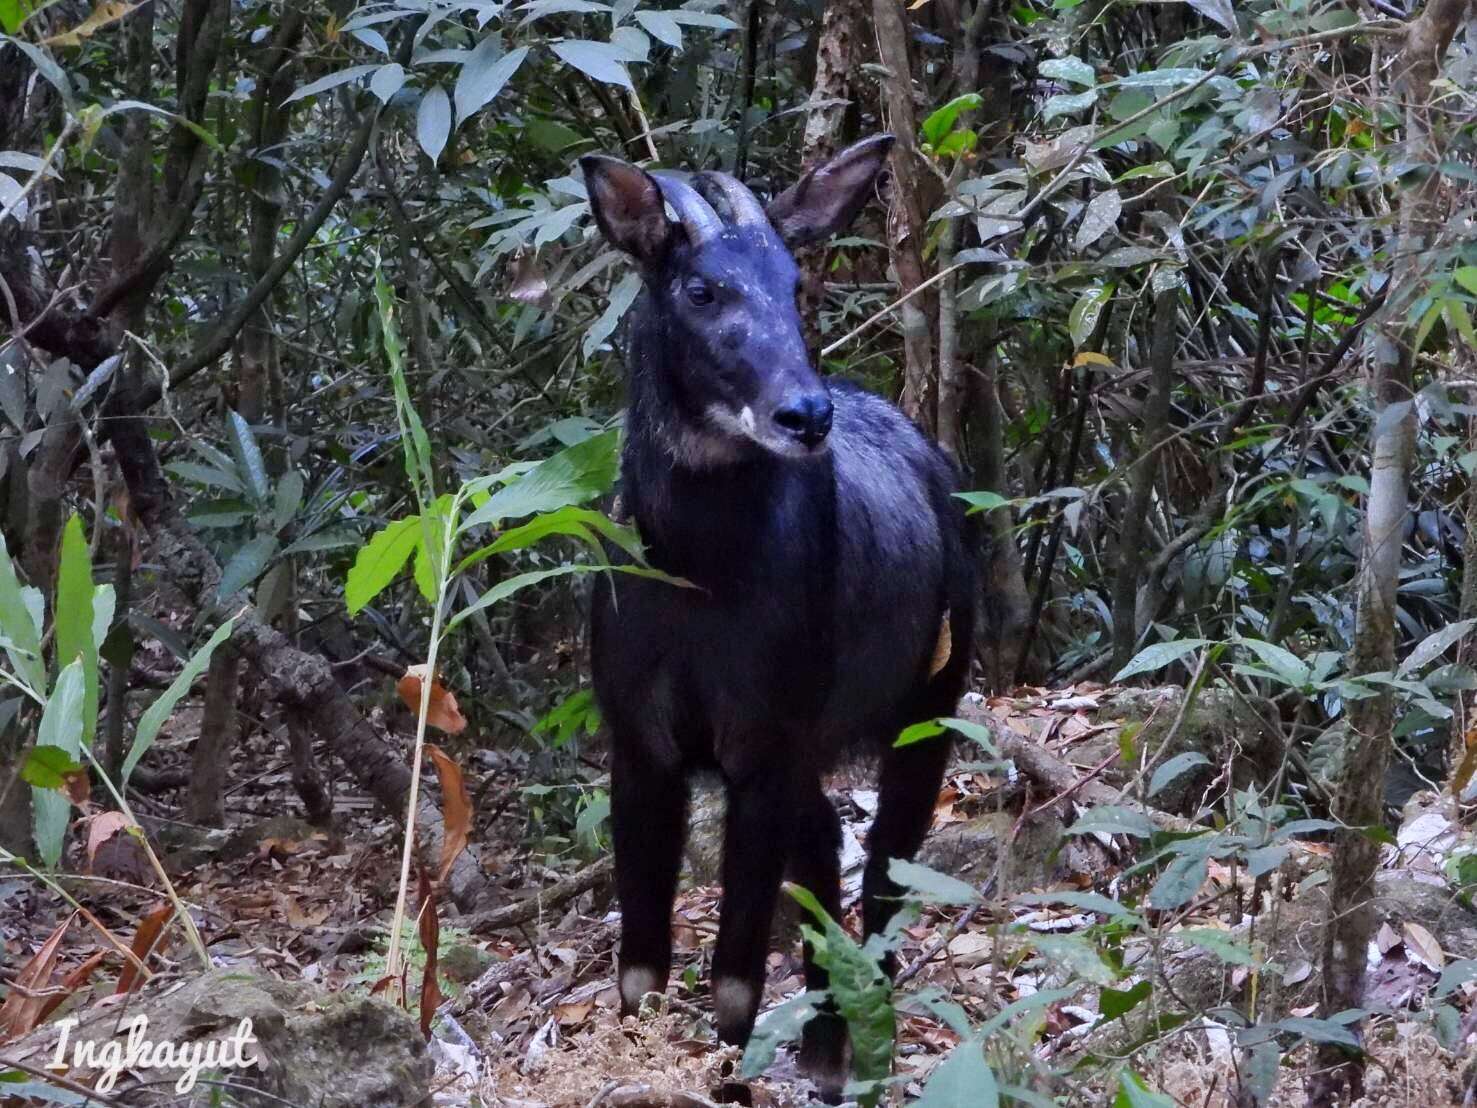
{"type": "Point", "coordinates": [830, 559]}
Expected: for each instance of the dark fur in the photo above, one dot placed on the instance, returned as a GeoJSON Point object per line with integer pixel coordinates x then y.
{"type": "Point", "coordinates": [822, 582]}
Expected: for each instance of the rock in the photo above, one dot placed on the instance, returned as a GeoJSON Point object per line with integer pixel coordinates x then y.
{"type": "Point", "coordinates": [971, 851]}
{"type": "Point", "coordinates": [310, 1047]}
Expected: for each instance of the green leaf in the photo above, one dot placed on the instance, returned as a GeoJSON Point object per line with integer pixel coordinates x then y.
{"type": "Point", "coordinates": [1109, 819]}
{"type": "Point", "coordinates": [323, 540]}
{"type": "Point", "coordinates": [287, 499]}
{"type": "Point", "coordinates": [504, 589]}
{"type": "Point", "coordinates": [388, 79]}
{"type": "Point", "coordinates": [1157, 656]}
{"type": "Point", "coordinates": [247, 564]}
{"type": "Point", "coordinates": [1456, 974]}
{"type": "Point", "coordinates": [1180, 881]}
{"type": "Point", "coordinates": [13, 13]}
{"type": "Point", "coordinates": [941, 121]}
{"type": "Point", "coordinates": [1133, 1093]}
{"type": "Point", "coordinates": [21, 630]}
{"type": "Point", "coordinates": [621, 298]}
{"type": "Point", "coordinates": [380, 560]}
{"type": "Point", "coordinates": [62, 723]}
{"type": "Point", "coordinates": [662, 27]}
{"type": "Point", "coordinates": [414, 443]}
{"type": "Point", "coordinates": [919, 732]}
{"type": "Point", "coordinates": [930, 886]}
{"type": "Point", "coordinates": [1089, 902]}
{"type": "Point", "coordinates": [1219, 943]}
{"type": "Point", "coordinates": [1067, 104]}
{"type": "Point", "coordinates": [206, 475]}
{"type": "Point", "coordinates": [47, 767]}
{"type": "Point", "coordinates": [984, 501]}
{"type": "Point", "coordinates": [976, 733]}
{"type": "Point", "coordinates": [1113, 1003]}
{"type": "Point", "coordinates": [1082, 320]}
{"type": "Point", "coordinates": [73, 613]}
{"type": "Point", "coordinates": [1175, 768]}
{"type": "Point", "coordinates": [1080, 956]}
{"type": "Point", "coordinates": [1319, 1031]}
{"type": "Point", "coordinates": [156, 713]}
{"type": "Point", "coordinates": [962, 1080]}
{"type": "Point", "coordinates": [47, 67]}
{"type": "Point", "coordinates": [711, 20]}
{"type": "Point", "coordinates": [485, 75]}
{"type": "Point", "coordinates": [249, 462]}
{"type": "Point", "coordinates": [1436, 644]}
{"type": "Point", "coordinates": [599, 60]}
{"type": "Point", "coordinates": [1466, 276]}
{"type": "Point", "coordinates": [776, 1027]}
{"type": "Point", "coordinates": [430, 549]}
{"type": "Point", "coordinates": [1072, 69]}
{"type": "Point", "coordinates": [333, 80]}
{"type": "Point", "coordinates": [574, 475]}
{"type": "Point", "coordinates": [1289, 668]}
{"type": "Point", "coordinates": [433, 122]}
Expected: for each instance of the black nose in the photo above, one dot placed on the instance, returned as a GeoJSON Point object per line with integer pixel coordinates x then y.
{"type": "Point", "coordinates": [807, 417]}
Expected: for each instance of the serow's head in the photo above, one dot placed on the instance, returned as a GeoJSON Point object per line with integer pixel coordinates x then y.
{"type": "Point", "coordinates": [722, 283]}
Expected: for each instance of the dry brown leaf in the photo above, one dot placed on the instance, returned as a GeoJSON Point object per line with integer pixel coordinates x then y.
{"type": "Point", "coordinates": [430, 933]}
{"type": "Point", "coordinates": [70, 984]}
{"type": "Point", "coordinates": [442, 713]}
{"type": "Point", "coordinates": [23, 1007]}
{"type": "Point", "coordinates": [456, 808]}
{"type": "Point", "coordinates": [150, 933]}
{"type": "Point", "coordinates": [101, 828]}
{"type": "Point", "coordinates": [1424, 948]}
{"type": "Point", "coordinates": [943, 648]}
{"type": "Point", "coordinates": [1386, 938]}
{"type": "Point", "coordinates": [527, 283]}
{"type": "Point", "coordinates": [569, 1015]}
{"type": "Point", "coordinates": [101, 16]}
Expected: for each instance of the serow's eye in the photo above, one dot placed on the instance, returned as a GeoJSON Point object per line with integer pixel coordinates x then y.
{"type": "Point", "coordinates": [698, 293]}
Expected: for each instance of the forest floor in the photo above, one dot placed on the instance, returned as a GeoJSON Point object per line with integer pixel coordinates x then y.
{"type": "Point", "coordinates": [532, 1019]}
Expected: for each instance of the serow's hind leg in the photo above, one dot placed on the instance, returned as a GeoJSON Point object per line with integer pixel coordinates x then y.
{"type": "Point", "coordinates": [648, 810]}
{"type": "Point", "coordinates": [815, 864]}
{"type": "Point", "coordinates": [908, 790]}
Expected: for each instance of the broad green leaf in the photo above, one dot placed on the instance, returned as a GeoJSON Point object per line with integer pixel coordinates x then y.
{"type": "Point", "coordinates": [387, 81]}
{"type": "Point", "coordinates": [1456, 974]}
{"type": "Point", "coordinates": [1113, 1003]}
{"type": "Point", "coordinates": [380, 560]}
{"type": "Point", "coordinates": [1161, 78]}
{"type": "Point", "coordinates": [287, 499]}
{"type": "Point", "coordinates": [780, 1025]}
{"type": "Point", "coordinates": [919, 732]}
{"type": "Point", "coordinates": [1067, 103]}
{"type": "Point", "coordinates": [929, 885]}
{"type": "Point", "coordinates": [1288, 667]}
{"type": "Point", "coordinates": [621, 298]}
{"type": "Point", "coordinates": [1071, 69]}
{"type": "Point", "coordinates": [1082, 320]}
{"type": "Point", "coordinates": [504, 589]}
{"type": "Point", "coordinates": [984, 501]}
{"type": "Point", "coordinates": [1157, 656]}
{"type": "Point", "coordinates": [206, 475]}
{"type": "Point", "coordinates": [323, 540]}
{"type": "Point", "coordinates": [74, 615]}
{"type": "Point", "coordinates": [574, 475]}
{"type": "Point", "coordinates": [428, 551]}
{"type": "Point", "coordinates": [1133, 1093]}
{"type": "Point", "coordinates": [1100, 217]}
{"type": "Point", "coordinates": [962, 1080]}
{"type": "Point", "coordinates": [976, 733]}
{"type": "Point", "coordinates": [333, 80]}
{"type": "Point", "coordinates": [156, 713]}
{"type": "Point", "coordinates": [13, 13]}
{"type": "Point", "coordinates": [598, 60]}
{"type": "Point", "coordinates": [662, 27]}
{"type": "Point", "coordinates": [941, 121]}
{"type": "Point", "coordinates": [1320, 1031]}
{"type": "Point", "coordinates": [1088, 902]}
{"type": "Point", "coordinates": [1016, 1008]}
{"type": "Point", "coordinates": [433, 122]}
{"type": "Point", "coordinates": [484, 76]}
{"type": "Point", "coordinates": [710, 20]}
{"type": "Point", "coordinates": [62, 723]}
{"type": "Point", "coordinates": [249, 462]}
{"type": "Point", "coordinates": [247, 564]}
{"type": "Point", "coordinates": [1180, 881]}
{"type": "Point", "coordinates": [1436, 644]}
{"type": "Point", "coordinates": [1174, 769]}
{"type": "Point", "coordinates": [1219, 943]}
{"type": "Point", "coordinates": [1080, 956]}
{"type": "Point", "coordinates": [540, 8]}
{"type": "Point", "coordinates": [1466, 276]}
{"type": "Point", "coordinates": [22, 632]}
{"type": "Point", "coordinates": [47, 767]}
{"type": "Point", "coordinates": [1108, 819]}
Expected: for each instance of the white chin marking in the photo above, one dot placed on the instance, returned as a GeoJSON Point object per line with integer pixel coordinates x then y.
{"type": "Point", "coordinates": [745, 425]}
{"type": "Point", "coordinates": [636, 982]}
{"type": "Point", "coordinates": [733, 1000]}
{"type": "Point", "coordinates": [746, 420]}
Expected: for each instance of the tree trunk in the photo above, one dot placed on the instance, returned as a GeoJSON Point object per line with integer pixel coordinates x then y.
{"type": "Point", "coordinates": [1359, 801]}
{"type": "Point", "coordinates": [1134, 524]}
{"type": "Point", "coordinates": [205, 802]}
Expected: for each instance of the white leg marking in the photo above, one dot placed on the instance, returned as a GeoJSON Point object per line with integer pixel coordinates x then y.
{"type": "Point", "coordinates": [636, 982]}
{"type": "Point", "coordinates": [733, 1000]}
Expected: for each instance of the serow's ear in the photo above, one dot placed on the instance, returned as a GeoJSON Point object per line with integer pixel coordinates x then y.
{"type": "Point", "coordinates": [628, 207]}
{"type": "Point", "coordinates": [828, 197]}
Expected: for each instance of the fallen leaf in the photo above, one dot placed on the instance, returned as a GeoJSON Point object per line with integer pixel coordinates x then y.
{"type": "Point", "coordinates": [71, 983]}
{"type": "Point", "coordinates": [430, 935]}
{"type": "Point", "coordinates": [101, 828]}
{"type": "Point", "coordinates": [1421, 946]}
{"type": "Point", "coordinates": [24, 1003]}
{"type": "Point", "coordinates": [442, 713]}
{"type": "Point", "coordinates": [1386, 938]}
{"type": "Point", "coordinates": [150, 932]}
{"type": "Point", "coordinates": [569, 1015]}
{"type": "Point", "coordinates": [527, 283]}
